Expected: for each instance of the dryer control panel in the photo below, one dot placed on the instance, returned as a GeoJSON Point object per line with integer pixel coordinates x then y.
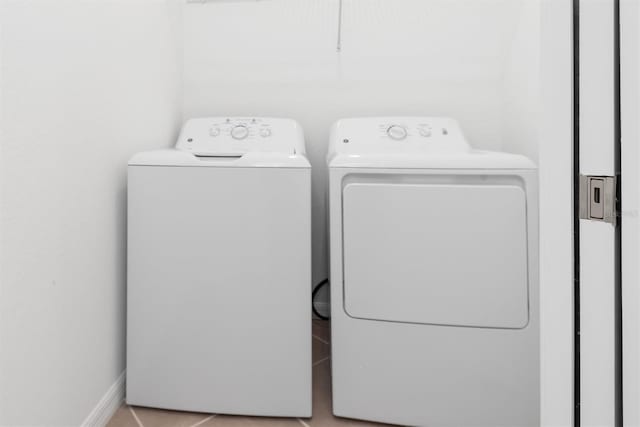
{"type": "Point", "coordinates": [235, 136]}
{"type": "Point", "coordinates": [395, 135]}
{"type": "Point", "coordinates": [399, 130]}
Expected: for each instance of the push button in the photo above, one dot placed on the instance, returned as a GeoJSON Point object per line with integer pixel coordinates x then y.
{"type": "Point", "coordinates": [265, 132]}
{"type": "Point", "coordinates": [425, 132]}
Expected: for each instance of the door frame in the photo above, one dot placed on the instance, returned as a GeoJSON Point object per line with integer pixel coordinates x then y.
{"type": "Point", "coordinates": [597, 151]}
{"type": "Point", "coordinates": [556, 154]}
{"type": "Point", "coordinates": [630, 208]}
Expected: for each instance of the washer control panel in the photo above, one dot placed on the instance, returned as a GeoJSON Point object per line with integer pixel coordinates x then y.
{"type": "Point", "coordinates": [235, 136]}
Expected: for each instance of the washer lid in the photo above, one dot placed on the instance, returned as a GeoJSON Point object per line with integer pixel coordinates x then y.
{"type": "Point", "coordinates": [411, 142]}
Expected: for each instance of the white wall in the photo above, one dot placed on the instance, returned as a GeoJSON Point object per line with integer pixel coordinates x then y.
{"type": "Point", "coordinates": [521, 84]}
{"type": "Point", "coordinates": [556, 213]}
{"type": "Point", "coordinates": [84, 85]}
{"type": "Point", "coordinates": [400, 57]}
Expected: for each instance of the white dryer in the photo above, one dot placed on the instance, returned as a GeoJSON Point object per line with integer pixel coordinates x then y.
{"type": "Point", "coordinates": [434, 277]}
{"type": "Point", "coordinates": [219, 270]}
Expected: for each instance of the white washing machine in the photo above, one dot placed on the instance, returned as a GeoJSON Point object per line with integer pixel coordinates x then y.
{"type": "Point", "coordinates": [219, 271]}
{"type": "Point", "coordinates": [434, 277]}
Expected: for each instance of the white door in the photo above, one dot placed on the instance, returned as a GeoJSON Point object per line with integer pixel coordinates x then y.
{"type": "Point", "coordinates": [630, 200]}
{"type": "Point", "coordinates": [598, 344]}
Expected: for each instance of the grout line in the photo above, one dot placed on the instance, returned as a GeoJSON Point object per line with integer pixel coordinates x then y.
{"type": "Point", "coordinates": [320, 361]}
{"type": "Point", "coordinates": [320, 339]}
{"type": "Point", "coordinates": [135, 416]}
{"type": "Point", "coordinates": [205, 420]}
{"type": "Point", "coordinates": [303, 423]}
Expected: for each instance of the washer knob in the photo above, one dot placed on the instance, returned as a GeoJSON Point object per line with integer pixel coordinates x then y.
{"type": "Point", "coordinates": [240, 132]}
{"type": "Point", "coordinates": [397, 132]}
{"type": "Point", "coordinates": [265, 132]}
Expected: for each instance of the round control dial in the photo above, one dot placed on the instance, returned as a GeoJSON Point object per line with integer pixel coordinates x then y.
{"type": "Point", "coordinates": [397, 132]}
{"type": "Point", "coordinates": [239, 132]}
{"type": "Point", "coordinates": [265, 132]}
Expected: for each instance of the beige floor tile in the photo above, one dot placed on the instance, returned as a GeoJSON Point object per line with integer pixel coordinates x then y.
{"type": "Point", "coordinates": [162, 418]}
{"type": "Point", "coordinates": [239, 421]}
{"type": "Point", "coordinates": [322, 411]}
{"type": "Point", "coordinates": [321, 351]}
{"type": "Point", "coordinates": [322, 329]}
{"type": "Point", "coordinates": [123, 418]}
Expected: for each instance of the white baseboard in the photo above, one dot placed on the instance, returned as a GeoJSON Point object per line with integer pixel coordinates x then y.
{"type": "Point", "coordinates": [108, 405]}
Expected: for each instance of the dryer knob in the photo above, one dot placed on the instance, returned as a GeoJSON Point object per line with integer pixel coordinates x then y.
{"type": "Point", "coordinates": [240, 132]}
{"type": "Point", "coordinates": [397, 132]}
{"type": "Point", "coordinates": [265, 132]}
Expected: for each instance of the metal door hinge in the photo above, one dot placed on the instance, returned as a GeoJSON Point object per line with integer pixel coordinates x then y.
{"type": "Point", "coordinates": [598, 198]}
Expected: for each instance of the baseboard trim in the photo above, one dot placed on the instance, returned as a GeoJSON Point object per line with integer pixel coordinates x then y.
{"type": "Point", "coordinates": [108, 405]}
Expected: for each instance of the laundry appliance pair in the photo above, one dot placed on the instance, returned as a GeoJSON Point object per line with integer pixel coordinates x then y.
{"type": "Point", "coordinates": [433, 259]}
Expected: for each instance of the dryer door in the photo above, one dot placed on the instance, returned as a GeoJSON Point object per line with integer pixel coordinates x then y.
{"type": "Point", "coordinates": [445, 254]}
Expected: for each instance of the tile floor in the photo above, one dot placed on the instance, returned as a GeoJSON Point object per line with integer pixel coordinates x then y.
{"type": "Point", "coordinates": [134, 416]}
